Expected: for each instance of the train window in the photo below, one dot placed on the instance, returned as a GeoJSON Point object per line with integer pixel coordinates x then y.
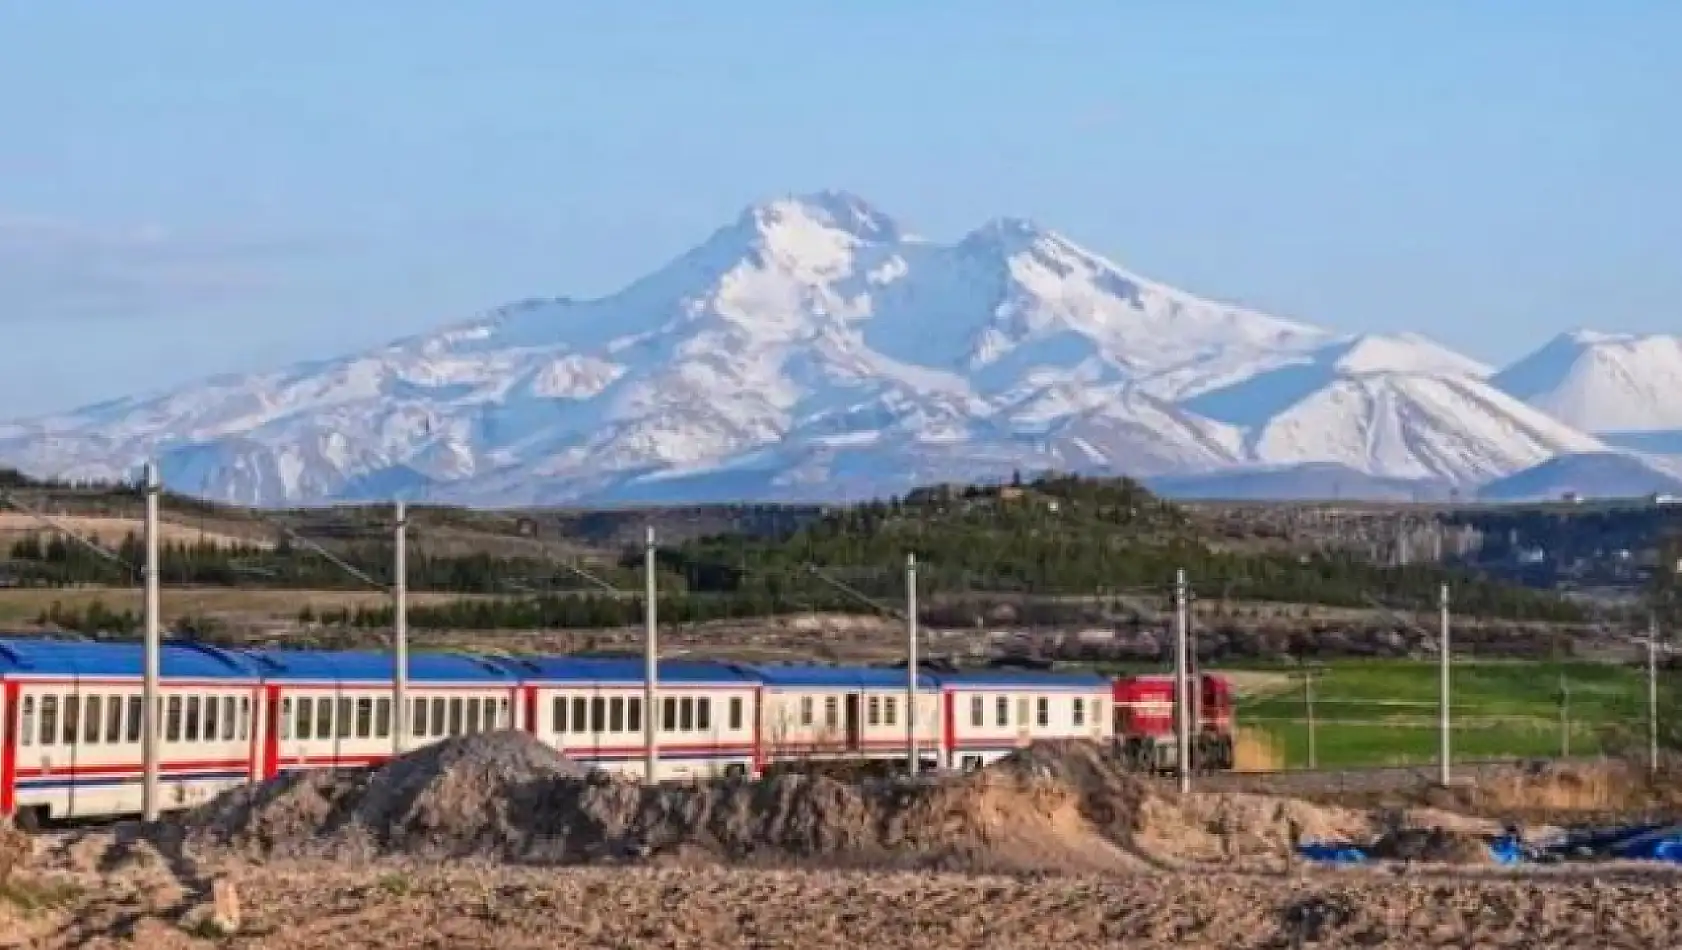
{"type": "Point", "coordinates": [473, 714]}
{"type": "Point", "coordinates": [113, 719]}
{"type": "Point", "coordinates": [323, 718]}
{"type": "Point", "coordinates": [1078, 711]}
{"type": "Point", "coordinates": [172, 719]}
{"type": "Point", "coordinates": [382, 717]}
{"type": "Point", "coordinates": [598, 715]}
{"type": "Point", "coordinates": [417, 717]}
{"type": "Point", "coordinates": [364, 717]}
{"type": "Point", "coordinates": [95, 718]}
{"type": "Point", "coordinates": [136, 715]}
{"type": "Point", "coordinates": [558, 715]}
{"type": "Point", "coordinates": [244, 718]}
{"type": "Point", "coordinates": [890, 710]}
{"type": "Point", "coordinates": [616, 714]}
{"type": "Point", "coordinates": [704, 714]}
{"type": "Point", "coordinates": [306, 718]}
{"type": "Point", "coordinates": [580, 714]}
{"type": "Point", "coordinates": [191, 733]}
{"type": "Point", "coordinates": [735, 712]}
{"type": "Point", "coordinates": [633, 714]}
{"type": "Point", "coordinates": [977, 711]}
{"type": "Point", "coordinates": [1021, 711]}
{"type": "Point", "coordinates": [49, 720]}
{"type": "Point", "coordinates": [1042, 711]}
{"type": "Point", "coordinates": [343, 720]}
{"type": "Point", "coordinates": [437, 715]}
{"type": "Point", "coordinates": [668, 714]}
{"type": "Point", "coordinates": [874, 715]}
{"type": "Point", "coordinates": [456, 727]}
{"type": "Point", "coordinates": [212, 717]}
{"type": "Point", "coordinates": [231, 719]}
{"type": "Point", "coordinates": [831, 712]}
{"type": "Point", "coordinates": [503, 720]}
{"type": "Point", "coordinates": [686, 714]}
{"type": "Point", "coordinates": [1001, 711]}
{"type": "Point", "coordinates": [26, 728]}
{"type": "Point", "coordinates": [805, 710]}
{"type": "Point", "coordinates": [286, 718]}
{"type": "Point", "coordinates": [72, 719]}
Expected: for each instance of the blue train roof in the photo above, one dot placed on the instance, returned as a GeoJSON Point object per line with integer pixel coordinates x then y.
{"type": "Point", "coordinates": [180, 659]}
{"type": "Point", "coordinates": [835, 677]}
{"type": "Point", "coordinates": [1024, 679]}
{"type": "Point", "coordinates": [353, 666]}
{"type": "Point", "coordinates": [615, 669]}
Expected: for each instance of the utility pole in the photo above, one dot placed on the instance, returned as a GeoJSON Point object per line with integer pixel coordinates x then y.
{"type": "Point", "coordinates": [1308, 701]}
{"type": "Point", "coordinates": [1182, 685]}
{"type": "Point", "coordinates": [651, 665]}
{"type": "Point", "coordinates": [1653, 693]}
{"type": "Point", "coordinates": [149, 706]}
{"type": "Point", "coordinates": [1564, 717]}
{"type": "Point", "coordinates": [1443, 708]}
{"type": "Point", "coordinates": [400, 631]}
{"type": "Point", "coordinates": [912, 760]}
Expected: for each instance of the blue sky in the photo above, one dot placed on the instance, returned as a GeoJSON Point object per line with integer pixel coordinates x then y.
{"type": "Point", "coordinates": [189, 188]}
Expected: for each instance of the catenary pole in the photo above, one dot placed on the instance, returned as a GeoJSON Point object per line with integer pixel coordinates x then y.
{"type": "Point", "coordinates": [912, 760]}
{"type": "Point", "coordinates": [1444, 751]}
{"type": "Point", "coordinates": [149, 705]}
{"type": "Point", "coordinates": [1182, 684]}
{"type": "Point", "coordinates": [651, 665]}
{"type": "Point", "coordinates": [1653, 693]}
{"type": "Point", "coordinates": [400, 631]}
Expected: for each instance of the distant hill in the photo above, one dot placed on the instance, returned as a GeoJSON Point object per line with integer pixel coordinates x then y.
{"type": "Point", "coordinates": [1590, 475]}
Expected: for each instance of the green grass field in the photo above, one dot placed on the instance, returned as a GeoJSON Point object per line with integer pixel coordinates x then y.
{"type": "Point", "coordinates": [1382, 712]}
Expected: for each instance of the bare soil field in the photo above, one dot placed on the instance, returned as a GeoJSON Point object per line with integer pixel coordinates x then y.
{"type": "Point", "coordinates": [112, 530]}
{"type": "Point", "coordinates": [497, 841]}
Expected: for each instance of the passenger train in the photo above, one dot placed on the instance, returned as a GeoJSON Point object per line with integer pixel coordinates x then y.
{"type": "Point", "coordinates": [70, 736]}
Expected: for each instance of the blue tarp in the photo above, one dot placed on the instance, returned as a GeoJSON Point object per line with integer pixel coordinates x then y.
{"type": "Point", "coordinates": [1503, 850]}
{"type": "Point", "coordinates": [1333, 853]}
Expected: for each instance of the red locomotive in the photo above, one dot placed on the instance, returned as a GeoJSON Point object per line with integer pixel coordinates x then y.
{"type": "Point", "coordinates": [1145, 727]}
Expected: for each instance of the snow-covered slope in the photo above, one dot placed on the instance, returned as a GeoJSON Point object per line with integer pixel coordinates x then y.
{"type": "Point", "coordinates": [1603, 382]}
{"type": "Point", "coordinates": [814, 348]}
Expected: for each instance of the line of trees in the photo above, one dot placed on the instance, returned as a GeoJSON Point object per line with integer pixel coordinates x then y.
{"type": "Point", "coordinates": [1057, 537]}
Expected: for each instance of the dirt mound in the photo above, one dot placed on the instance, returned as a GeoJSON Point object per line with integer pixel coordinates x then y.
{"type": "Point", "coordinates": [466, 796]}
{"type": "Point", "coordinates": [508, 797]}
{"type": "Point", "coordinates": [16, 850]}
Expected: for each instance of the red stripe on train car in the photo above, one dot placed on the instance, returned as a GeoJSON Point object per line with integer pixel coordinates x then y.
{"type": "Point", "coordinates": [9, 753]}
{"type": "Point", "coordinates": [134, 767]}
{"type": "Point", "coordinates": [949, 724]}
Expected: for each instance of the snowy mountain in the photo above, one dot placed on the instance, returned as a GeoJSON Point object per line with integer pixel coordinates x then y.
{"type": "Point", "coordinates": [1603, 382]}
{"type": "Point", "coordinates": [814, 348]}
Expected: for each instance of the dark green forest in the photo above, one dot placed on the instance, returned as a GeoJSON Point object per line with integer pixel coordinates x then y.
{"type": "Point", "coordinates": [1057, 537]}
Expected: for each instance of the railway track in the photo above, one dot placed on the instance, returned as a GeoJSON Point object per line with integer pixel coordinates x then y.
{"type": "Point", "coordinates": [1365, 779]}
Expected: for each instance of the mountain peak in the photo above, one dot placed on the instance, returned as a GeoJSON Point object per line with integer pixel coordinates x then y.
{"type": "Point", "coordinates": [830, 209]}
{"type": "Point", "coordinates": [1603, 382]}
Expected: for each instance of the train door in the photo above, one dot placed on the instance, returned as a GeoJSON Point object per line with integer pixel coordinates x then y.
{"type": "Point", "coordinates": [273, 723]}
{"type": "Point", "coordinates": [71, 733]}
{"type": "Point", "coordinates": [853, 722]}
